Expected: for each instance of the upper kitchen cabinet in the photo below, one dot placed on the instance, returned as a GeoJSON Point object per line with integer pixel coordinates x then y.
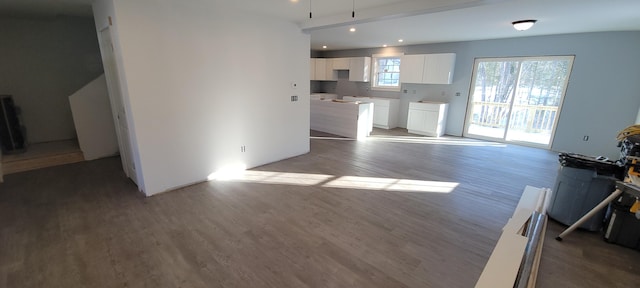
{"type": "Point", "coordinates": [428, 68]}
{"type": "Point", "coordinates": [340, 63]}
{"type": "Point", "coordinates": [412, 68]}
{"type": "Point", "coordinates": [326, 69]}
{"type": "Point", "coordinates": [322, 69]}
{"type": "Point", "coordinates": [438, 68]}
{"type": "Point", "coordinates": [312, 68]}
{"type": "Point", "coordinates": [359, 69]}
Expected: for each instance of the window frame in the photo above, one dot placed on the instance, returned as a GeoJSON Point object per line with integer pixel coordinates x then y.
{"type": "Point", "coordinates": [374, 72]}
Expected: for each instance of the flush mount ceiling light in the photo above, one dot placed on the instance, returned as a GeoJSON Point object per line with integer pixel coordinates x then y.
{"type": "Point", "coordinates": [352, 29]}
{"type": "Point", "coordinates": [523, 24]}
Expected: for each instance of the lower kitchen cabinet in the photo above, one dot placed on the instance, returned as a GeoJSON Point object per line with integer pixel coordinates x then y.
{"type": "Point", "coordinates": [427, 118]}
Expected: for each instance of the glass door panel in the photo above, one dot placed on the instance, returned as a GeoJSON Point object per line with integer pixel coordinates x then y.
{"type": "Point", "coordinates": [539, 92]}
{"type": "Point", "coordinates": [517, 99]}
{"type": "Point", "coordinates": [491, 98]}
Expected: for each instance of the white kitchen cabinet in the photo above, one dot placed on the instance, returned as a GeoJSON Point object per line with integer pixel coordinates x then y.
{"type": "Point", "coordinates": [427, 68]}
{"type": "Point", "coordinates": [331, 71]}
{"type": "Point", "coordinates": [385, 110]}
{"type": "Point", "coordinates": [326, 69]}
{"type": "Point", "coordinates": [438, 68]}
{"type": "Point", "coordinates": [340, 63]}
{"type": "Point", "coordinates": [312, 68]}
{"type": "Point", "coordinates": [411, 68]}
{"type": "Point", "coordinates": [321, 69]}
{"type": "Point", "coordinates": [427, 118]}
{"type": "Point", "coordinates": [359, 69]}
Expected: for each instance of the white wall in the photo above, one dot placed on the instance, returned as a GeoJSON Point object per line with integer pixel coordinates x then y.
{"type": "Point", "coordinates": [602, 97]}
{"type": "Point", "coordinates": [93, 120]}
{"type": "Point", "coordinates": [42, 62]}
{"type": "Point", "coordinates": [201, 81]}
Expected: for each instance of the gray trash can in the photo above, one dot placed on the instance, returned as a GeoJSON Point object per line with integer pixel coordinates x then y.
{"type": "Point", "coordinates": [581, 184]}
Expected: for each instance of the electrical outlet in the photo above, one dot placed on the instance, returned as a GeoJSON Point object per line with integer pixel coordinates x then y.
{"type": "Point", "coordinates": [457, 93]}
{"type": "Point", "coordinates": [243, 148]}
{"type": "Point", "coordinates": [585, 138]}
{"type": "Point", "coordinates": [294, 98]}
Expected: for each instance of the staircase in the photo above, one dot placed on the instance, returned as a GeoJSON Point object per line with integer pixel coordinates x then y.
{"type": "Point", "coordinates": [94, 126]}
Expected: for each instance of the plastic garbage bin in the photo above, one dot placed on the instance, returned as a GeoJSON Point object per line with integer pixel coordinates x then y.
{"type": "Point", "coordinates": [581, 184]}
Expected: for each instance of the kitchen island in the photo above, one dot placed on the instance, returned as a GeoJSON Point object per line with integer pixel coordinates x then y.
{"type": "Point", "coordinates": [351, 119]}
{"type": "Point", "coordinates": [385, 110]}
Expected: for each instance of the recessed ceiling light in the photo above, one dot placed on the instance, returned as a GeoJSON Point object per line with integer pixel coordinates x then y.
{"type": "Point", "coordinates": [293, 1]}
{"type": "Point", "coordinates": [352, 29]}
{"type": "Point", "coordinates": [324, 46]}
{"type": "Point", "coordinates": [385, 45]}
{"type": "Point", "coordinates": [400, 40]}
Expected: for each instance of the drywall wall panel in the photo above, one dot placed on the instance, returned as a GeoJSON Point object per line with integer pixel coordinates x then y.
{"type": "Point", "coordinates": [44, 60]}
{"type": "Point", "coordinates": [204, 80]}
{"type": "Point", "coordinates": [93, 120]}
{"type": "Point", "coordinates": [602, 96]}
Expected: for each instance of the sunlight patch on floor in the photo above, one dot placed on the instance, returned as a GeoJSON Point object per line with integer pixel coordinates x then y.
{"type": "Point", "coordinates": [434, 140]}
{"type": "Point", "coordinates": [267, 177]}
{"type": "Point", "coordinates": [228, 172]}
{"type": "Point", "coordinates": [332, 181]}
{"type": "Point", "coordinates": [390, 184]}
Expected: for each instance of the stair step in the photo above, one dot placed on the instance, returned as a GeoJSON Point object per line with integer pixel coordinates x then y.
{"type": "Point", "coordinates": [42, 155]}
{"type": "Point", "coordinates": [41, 162]}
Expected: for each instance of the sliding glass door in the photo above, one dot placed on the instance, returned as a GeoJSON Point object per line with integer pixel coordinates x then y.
{"type": "Point", "coordinates": [517, 99]}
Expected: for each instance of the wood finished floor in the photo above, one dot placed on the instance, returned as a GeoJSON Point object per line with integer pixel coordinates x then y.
{"type": "Point", "coordinates": [85, 225]}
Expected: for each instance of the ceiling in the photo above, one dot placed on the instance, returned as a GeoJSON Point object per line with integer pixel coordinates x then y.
{"type": "Point", "coordinates": [380, 22]}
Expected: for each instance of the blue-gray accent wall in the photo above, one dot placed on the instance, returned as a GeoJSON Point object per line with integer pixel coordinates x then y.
{"type": "Point", "coordinates": [602, 98]}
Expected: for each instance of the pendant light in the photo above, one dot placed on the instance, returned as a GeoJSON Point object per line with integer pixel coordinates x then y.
{"type": "Point", "coordinates": [353, 11]}
{"type": "Point", "coordinates": [310, 14]}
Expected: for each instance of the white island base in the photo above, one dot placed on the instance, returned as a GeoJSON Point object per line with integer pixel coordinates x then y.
{"type": "Point", "coordinates": [342, 118]}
